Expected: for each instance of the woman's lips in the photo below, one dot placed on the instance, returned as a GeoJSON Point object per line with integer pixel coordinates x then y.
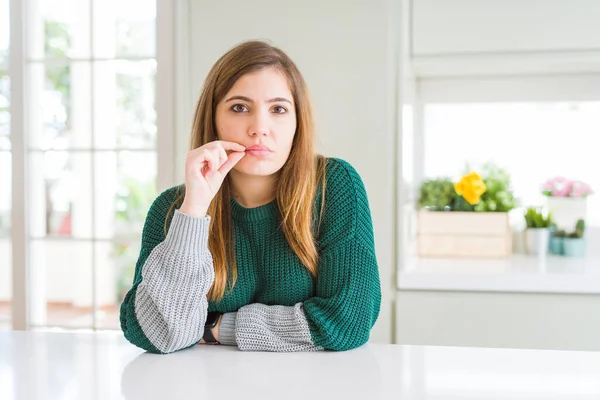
{"type": "Point", "coordinates": [258, 151]}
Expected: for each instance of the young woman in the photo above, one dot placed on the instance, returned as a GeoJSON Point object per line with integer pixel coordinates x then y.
{"type": "Point", "coordinates": [268, 246]}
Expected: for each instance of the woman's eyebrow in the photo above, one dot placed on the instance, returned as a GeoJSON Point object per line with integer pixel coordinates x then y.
{"type": "Point", "coordinates": [279, 100]}
{"type": "Point", "coordinates": [249, 100]}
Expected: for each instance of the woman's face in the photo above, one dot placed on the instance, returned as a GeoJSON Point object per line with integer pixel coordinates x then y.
{"type": "Point", "coordinates": [259, 113]}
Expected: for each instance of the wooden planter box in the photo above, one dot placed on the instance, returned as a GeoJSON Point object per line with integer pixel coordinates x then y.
{"type": "Point", "coordinates": [464, 234]}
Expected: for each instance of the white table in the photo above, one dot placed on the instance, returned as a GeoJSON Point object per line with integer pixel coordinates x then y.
{"type": "Point", "coordinates": [44, 365]}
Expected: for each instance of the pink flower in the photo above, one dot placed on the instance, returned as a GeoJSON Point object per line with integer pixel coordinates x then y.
{"type": "Point", "coordinates": [580, 189]}
{"type": "Point", "coordinates": [557, 186]}
{"type": "Point", "coordinates": [562, 192]}
{"type": "Point", "coordinates": [547, 186]}
{"type": "Point", "coordinates": [562, 187]}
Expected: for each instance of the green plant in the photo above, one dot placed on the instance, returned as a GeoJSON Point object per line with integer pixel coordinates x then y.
{"type": "Point", "coordinates": [560, 233]}
{"type": "Point", "coordinates": [460, 204]}
{"type": "Point", "coordinates": [498, 196]}
{"type": "Point", "coordinates": [440, 194]}
{"type": "Point", "coordinates": [436, 194]}
{"type": "Point", "coordinates": [556, 232]}
{"type": "Point", "coordinates": [579, 230]}
{"type": "Point", "coordinates": [535, 218]}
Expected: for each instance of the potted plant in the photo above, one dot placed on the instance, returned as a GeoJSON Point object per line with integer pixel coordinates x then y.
{"type": "Point", "coordinates": [557, 238]}
{"type": "Point", "coordinates": [566, 199]}
{"type": "Point", "coordinates": [498, 195]}
{"type": "Point", "coordinates": [537, 233]}
{"type": "Point", "coordinates": [574, 242]}
{"type": "Point", "coordinates": [476, 222]}
{"type": "Point", "coordinates": [436, 194]}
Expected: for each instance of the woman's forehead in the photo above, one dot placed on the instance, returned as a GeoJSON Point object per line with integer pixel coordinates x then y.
{"type": "Point", "coordinates": [264, 84]}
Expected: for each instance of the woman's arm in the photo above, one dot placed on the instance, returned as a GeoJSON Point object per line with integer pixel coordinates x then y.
{"type": "Point", "coordinates": [340, 317]}
{"type": "Point", "coordinates": [166, 308]}
{"type": "Point", "coordinates": [348, 291]}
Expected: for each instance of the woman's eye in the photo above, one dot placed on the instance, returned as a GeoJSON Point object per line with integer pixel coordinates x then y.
{"type": "Point", "coordinates": [238, 108]}
{"type": "Point", "coordinates": [279, 110]}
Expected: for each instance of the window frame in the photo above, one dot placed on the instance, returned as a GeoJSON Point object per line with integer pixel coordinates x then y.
{"type": "Point", "coordinates": [489, 89]}
{"type": "Point", "coordinates": [167, 47]}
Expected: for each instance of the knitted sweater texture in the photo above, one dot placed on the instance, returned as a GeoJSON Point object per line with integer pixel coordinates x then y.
{"type": "Point", "coordinates": [275, 304]}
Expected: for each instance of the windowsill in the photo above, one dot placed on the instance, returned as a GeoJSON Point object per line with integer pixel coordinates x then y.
{"type": "Point", "coordinates": [519, 273]}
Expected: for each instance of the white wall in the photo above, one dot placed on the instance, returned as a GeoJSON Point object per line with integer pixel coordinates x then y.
{"type": "Point", "coordinates": [348, 53]}
{"type": "Point", "coordinates": [489, 26]}
{"type": "Point", "coordinates": [465, 38]}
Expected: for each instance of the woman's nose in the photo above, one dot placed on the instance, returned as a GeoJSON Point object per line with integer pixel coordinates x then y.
{"type": "Point", "coordinates": [259, 125]}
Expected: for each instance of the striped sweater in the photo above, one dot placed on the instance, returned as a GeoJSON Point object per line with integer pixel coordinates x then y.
{"type": "Point", "coordinates": [275, 304]}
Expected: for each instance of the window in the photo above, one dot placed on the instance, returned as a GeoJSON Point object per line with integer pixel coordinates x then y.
{"type": "Point", "coordinates": [534, 141]}
{"type": "Point", "coordinates": [91, 153]}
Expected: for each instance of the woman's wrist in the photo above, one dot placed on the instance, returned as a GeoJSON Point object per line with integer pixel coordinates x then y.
{"type": "Point", "coordinates": [193, 211]}
{"type": "Point", "coordinates": [215, 330]}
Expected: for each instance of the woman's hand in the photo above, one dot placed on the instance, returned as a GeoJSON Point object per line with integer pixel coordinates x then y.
{"type": "Point", "coordinates": [214, 331]}
{"type": "Point", "coordinates": [205, 170]}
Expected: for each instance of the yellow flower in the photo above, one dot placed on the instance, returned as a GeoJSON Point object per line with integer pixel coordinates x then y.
{"type": "Point", "coordinates": [471, 187]}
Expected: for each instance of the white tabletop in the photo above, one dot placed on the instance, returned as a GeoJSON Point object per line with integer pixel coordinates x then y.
{"type": "Point", "coordinates": [42, 365]}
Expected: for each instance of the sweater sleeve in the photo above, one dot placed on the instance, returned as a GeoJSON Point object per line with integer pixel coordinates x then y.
{"type": "Point", "coordinates": [340, 317]}
{"type": "Point", "coordinates": [348, 290]}
{"type": "Point", "coordinates": [166, 308]}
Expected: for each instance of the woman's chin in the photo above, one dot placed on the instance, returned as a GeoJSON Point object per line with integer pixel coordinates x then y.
{"type": "Point", "coordinates": [256, 168]}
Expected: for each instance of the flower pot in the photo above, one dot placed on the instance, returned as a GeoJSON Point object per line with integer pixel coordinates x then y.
{"type": "Point", "coordinates": [574, 247]}
{"type": "Point", "coordinates": [567, 210]}
{"type": "Point", "coordinates": [557, 245]}
{"type": "Point", "coordinates": [536, 241]}
{"type": "Point", "coordinates": [464, 234]}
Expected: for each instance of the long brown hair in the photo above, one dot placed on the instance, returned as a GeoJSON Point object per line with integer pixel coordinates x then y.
{"type": "Point", "coordinates": [299, 177]}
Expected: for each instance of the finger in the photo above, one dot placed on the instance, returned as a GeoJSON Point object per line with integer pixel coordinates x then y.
{"type": "Point", "coordinates": [205, 160]}
{"type": "Point", "coordinates": [222, 156]}
{"type": "Point", "coordinates": [195, 160]}
{"type": "Point", "coordinates": [198, 153]}
{"type": "Point", "coordinates": [232, 159]}
{"type": "Point", "coordinates": [214, 160]}
{"type": "Point", "coordinates": [232, 146]}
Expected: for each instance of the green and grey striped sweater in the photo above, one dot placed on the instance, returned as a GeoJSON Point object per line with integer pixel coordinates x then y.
{"type": "Point", "coordinates": [275, 304]}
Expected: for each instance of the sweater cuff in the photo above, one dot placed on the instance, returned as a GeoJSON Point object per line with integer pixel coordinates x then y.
{"type": "Point", "coordinates": [188, 234]}
{"type": "Point", "coordinates": [227, 329]}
